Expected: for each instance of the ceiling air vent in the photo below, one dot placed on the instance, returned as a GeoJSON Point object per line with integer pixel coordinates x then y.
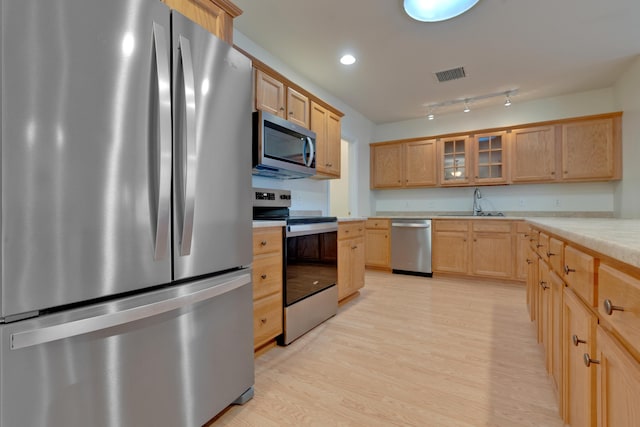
{"type": "Point", "coordinates": [452, 74]}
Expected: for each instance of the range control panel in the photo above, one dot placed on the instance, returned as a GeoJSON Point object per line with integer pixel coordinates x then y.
{"type": "Point", "coordinates": [271, 197]}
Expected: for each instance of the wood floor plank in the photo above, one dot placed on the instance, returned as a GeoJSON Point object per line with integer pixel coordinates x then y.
{"type": "Point", "coordinates": [410, 351]}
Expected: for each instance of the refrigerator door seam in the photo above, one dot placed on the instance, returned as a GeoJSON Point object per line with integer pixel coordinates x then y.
{"type": "Point", "coordinates": [104, 321]}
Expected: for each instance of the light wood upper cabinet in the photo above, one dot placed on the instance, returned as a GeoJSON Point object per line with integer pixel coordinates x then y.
{"type": "Point", "coordinates": [591, 149]}
{"type": "Point", "coordinates": [214, 15]}
{"type": "Point", "coordinates": [490, 158]}
{"type": "Point", "coordinates": [454, 161]}
{"type": "Point", "coordinates": [269, 94]}
{"type": "Point", "coordinates": [387, 166]}
{"type": "Point", "coordinates": [328, 131]}
{"type": "Point", "coordinates": [533, 154]}
{"type": "Point", "coordinates": [297, 108]}
{"type": "Point", "coordinates": [420, 163]}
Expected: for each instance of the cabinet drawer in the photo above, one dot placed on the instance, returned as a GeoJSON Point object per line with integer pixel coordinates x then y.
{"type": "Point", "coordinates": [619, 290]}
{"type": "Point", "coordinates": [534, 236]}
{"type": "Point", "coordinates": [555, 255]}
{"type": "Point", "coordinates": [446, 225]}
{"type": "Point", "coordinates": [492, 226]}
{"type": "Point", "coordinates": [579, 273]}
{"type": "Point", "coordinates": [543, 246]}
{"type": "Point", "coordinates": [379, 224]}
{"type": "Point", "coordinates": [267, 275]}
{"type": "Point", "coordinates": [348, 230]}
{"type": "Point", "coordinates": [267, 240]}
{"type": "Point", "coordinates": [267, 319]}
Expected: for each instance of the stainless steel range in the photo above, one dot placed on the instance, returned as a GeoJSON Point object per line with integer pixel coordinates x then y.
{"type": "Point", "coordinates": [310, 263]}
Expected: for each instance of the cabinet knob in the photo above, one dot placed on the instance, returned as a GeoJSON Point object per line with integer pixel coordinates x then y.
{"type": "Point", "coordinates": [529, 261]}
{"type": "Point", "coordinates": [264, 276]}
{"type": "Point", "coordinates": [263, 320]}
{"type": "Point", "coordinates": [543, 284]}
{"type": "Point", "coordinates": [553, 173]}
{"type": "Point", "coordinates": [609, 308]}
{"type": "Point", "coordinates": [588, 360]}
{"type": "Point", "coordinates": [539, 245]}
{"type": "Point", "coordinates": [281, 108]}
{"type": "Point", "coordinates": [577, 341]}
{"type": "Point", "coordinates": [550, 254]}
{"type": "Point", "coordinates": [291, 113]}
{"type": "Point", "coordinates": [263, 243]}
{"type": "Point", "coordinates": [354, 247]}
{"type": "Point", "coordinates": [568, 270]}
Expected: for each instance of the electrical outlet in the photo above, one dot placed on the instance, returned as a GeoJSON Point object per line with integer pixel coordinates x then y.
{"type": "Point", "coordinates": [557, 203]}
{"type": "Point", "coordinates": [521, 203]}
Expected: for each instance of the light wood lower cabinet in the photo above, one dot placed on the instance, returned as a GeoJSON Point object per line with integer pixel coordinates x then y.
{"type": "Point", "coordinates": [350, 258]}
{"type": "Point", "coordinates": [588, 320]}
{"type": "Point", "coordinates": [618, 380]}
{"type": "Point", "coordinates": [479, 248]}
{"type": "Point", "coordinates": [267, 285]}
{"type": "Point", "coordinates": [578, 338]}
{"type": "Point", "coordinates": [378, 244]}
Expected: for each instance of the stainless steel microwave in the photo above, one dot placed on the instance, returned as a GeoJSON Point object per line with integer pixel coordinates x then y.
{"type": "Point", "coordinates": [282, 149]}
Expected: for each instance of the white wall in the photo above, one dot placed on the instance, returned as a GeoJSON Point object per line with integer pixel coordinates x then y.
{"type": "Point", "coordinates": [310, 194]}
{"type": "Point", "coordinates": [627, 94]}
{"type": "Point", "coordinates": [598, 197]}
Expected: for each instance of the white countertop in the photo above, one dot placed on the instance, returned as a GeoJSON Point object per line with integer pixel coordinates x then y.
{"type": "Point", "coordinates": [616, 238]}
{"type": "Point", "coordinates": [351, 218]}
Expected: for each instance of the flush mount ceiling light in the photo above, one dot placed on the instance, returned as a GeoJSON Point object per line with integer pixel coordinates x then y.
{"type": "Point", "coordinates": [466, 107]}
{"type": "Point", "coordinates": [507, 101]}
{"type": "Point", "coordinates": [347, 59]}
{"type": "Point", "coordinates": [437, 10]}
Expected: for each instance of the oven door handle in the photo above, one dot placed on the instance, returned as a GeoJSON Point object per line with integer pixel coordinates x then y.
{"type": "Point", "coordinates": [307, 229]}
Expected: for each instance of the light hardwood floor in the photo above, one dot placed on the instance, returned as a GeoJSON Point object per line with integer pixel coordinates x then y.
{"type": "Point", "coordinates": [409, 351]}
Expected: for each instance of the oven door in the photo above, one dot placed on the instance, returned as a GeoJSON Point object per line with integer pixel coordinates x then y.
{"type": "Point", "coordinates": [311, 260]}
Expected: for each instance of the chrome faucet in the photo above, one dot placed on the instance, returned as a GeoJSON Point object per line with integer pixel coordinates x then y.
{"type": "Point", "coordinates": [477, 209]}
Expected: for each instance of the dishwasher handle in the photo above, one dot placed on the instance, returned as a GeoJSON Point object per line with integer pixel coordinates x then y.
{"type": "Point", "coordinates": [410, 225]}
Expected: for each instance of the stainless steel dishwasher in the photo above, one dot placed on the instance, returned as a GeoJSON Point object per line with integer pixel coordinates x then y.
{"type": "Point", "coordinates": [411, 246]}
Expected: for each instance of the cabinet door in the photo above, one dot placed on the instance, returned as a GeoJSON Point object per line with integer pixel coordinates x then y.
{"type": "Point", "coordinates": [522, 254]}
{"type": "Point", "coordinates": [490, 158]}
{"type": "Point", "coordinates": [326, 125]}
{"type": "Point", "coordinates": [555, 334]}
{"type": "Point", "coordinates": [357, 263]}
{"type": "Point", "coordinates": [533, 157]}
{"type": "Point", "coordinates": [578, 338]}
{"type": "Point", "coordinates": [420, 158]}
{"type": "Point", "coordinates": [492, 255]}
{"type": "Point", "coordinates": [208, 15]}
{"type": "Point", "coordinates": [588, 150]}
{"type": "Point", "coordinates": [450, 251]}
{"type": "Point", "coordinates": [532, 283]}
{"type": "Point", "coordinates": [297, 108]}
{"type": "Point", "coordinates": [454, 161]}
{"type": "Point", "coordinates": [269, 94]}
{"type": "Point", "coordinates": [386, 166]}
{"type": "Point", "coordinates": [544, 309]}
{"type": "Point", "coordinates": [377, 248]}
{"type": "Point", "coordinates": [344, 268]}
{"type": "Point", "coordinates": [618, 379]}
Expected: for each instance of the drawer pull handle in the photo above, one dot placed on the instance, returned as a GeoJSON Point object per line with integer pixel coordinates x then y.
{"type": "Point", "coordinates": [264, 276]}
{"type": "Point", "coordinates": [539, 245]}
{"type": "Point", "coordinates": [544, 285]}
{"type": "Point", "coordinates": [577, 341]}
{"type": "Point", "coordinates": [529, 261]}
{"type": "Point", "coordinates": [354, 247]}
{"type": "Point", "coordinates": [550, 254]}
{"type": "Point", "coordinates": [568, 270]}
{"type": "Point", "coordinates": [263, 320]}
{"type": "Point", "coordinates": [588, 360]}
{"type": "Point", "coordinates": [609, 308]}
{"type": "Point", "coordinates": [263, 243]}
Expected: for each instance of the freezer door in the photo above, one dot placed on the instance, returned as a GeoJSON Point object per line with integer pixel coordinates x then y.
{"type": "Point", "coordinates": [212, 90]}
{"type": "Point", "coordinates": [174, 357]}
{"type": "Point", "coordinates": [86, 149]}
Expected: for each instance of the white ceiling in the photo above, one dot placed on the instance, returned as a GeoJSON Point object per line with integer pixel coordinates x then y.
{"type": "Point", "coordinates": [542, 48]}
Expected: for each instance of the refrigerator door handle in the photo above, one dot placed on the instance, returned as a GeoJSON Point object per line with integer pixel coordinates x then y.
{"type": "Point", "coordinates": [187, 162]}
{"type": "Point", "coordinates": [110, 319]}
{"type": "Point", "coordinates": [160, 180]}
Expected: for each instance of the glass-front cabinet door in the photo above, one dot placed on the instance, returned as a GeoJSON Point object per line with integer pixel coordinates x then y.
{"type": "Point", "coordinates": [454, 157]}
{"type": "Point", "coordinates": [490, 155]}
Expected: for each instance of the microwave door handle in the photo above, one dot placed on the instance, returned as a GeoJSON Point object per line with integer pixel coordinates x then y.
{"type": "Point", "coordinates": [312, 152]}
{"type": "Point", "coordinates": [160, 184]}
{"type": "Point", "coordinates": [188, 168]}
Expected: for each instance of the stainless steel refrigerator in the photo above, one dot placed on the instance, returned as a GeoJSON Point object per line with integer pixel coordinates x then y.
{"type": "Point", "coordinates": [126, 293]}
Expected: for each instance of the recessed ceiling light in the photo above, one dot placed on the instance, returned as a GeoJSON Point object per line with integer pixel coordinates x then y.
{"type": "Point", "coordinates": [347, 59]}
{"type": "Point", "coordinates": [437, 10]}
